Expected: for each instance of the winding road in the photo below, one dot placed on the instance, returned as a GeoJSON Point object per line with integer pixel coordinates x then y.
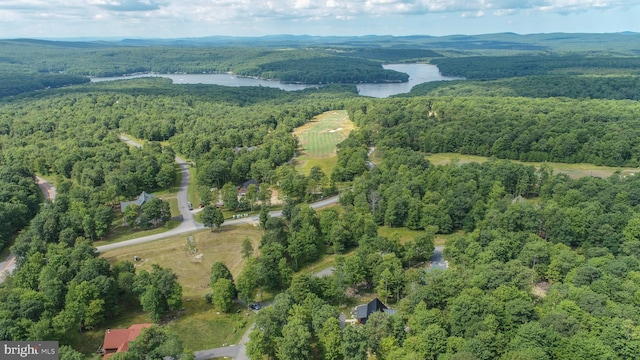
{"type": "Point", "coordinates": [189, 225]}
{"type": "Point", "coordinates": [9, 264]}
{"type": "Point", "coordinates": [188, 222]}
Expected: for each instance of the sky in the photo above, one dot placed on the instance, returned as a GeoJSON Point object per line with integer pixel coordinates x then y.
{"type": "Point", "coordinates": [51, 19]}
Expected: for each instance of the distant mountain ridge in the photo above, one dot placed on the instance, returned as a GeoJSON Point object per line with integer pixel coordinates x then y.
{"type": "Point", "coordinates": [612, 42]}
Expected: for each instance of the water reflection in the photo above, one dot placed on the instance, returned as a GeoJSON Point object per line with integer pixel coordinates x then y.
{"type": "Point", "coordinates": [418, 74]}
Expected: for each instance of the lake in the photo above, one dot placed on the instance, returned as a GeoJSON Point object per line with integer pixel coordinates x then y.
{"type": "Point", "coordinates": [418, 74]}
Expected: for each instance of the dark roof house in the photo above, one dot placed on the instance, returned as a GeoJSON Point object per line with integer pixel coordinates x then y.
{"type": "Point", "coordinates": [117, 340]}
{"type": "Point", "coordinates": [242, 189]}
{"type": "Point", "coordinates": [142, 198]}
{"type": "Point", "coordinates": [363, 311]}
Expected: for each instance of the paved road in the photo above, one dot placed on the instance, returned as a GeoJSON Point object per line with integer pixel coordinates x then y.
{"type": "Point", "coordinates": [183, 199]}
{"type": "Point", "coordinates": [189, 224]}
{"type": "Point", "coordinates": [238, 352]}
{"type": "Point", "coordinates": [47, 189]}
{"type": "Point", "coordinates": [9, 264]}
{"type": "Point", "coordinates": [370, 163]}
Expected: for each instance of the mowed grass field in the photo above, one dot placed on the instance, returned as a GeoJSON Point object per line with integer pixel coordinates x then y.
{"type": "Point", "coordinates": [573, 170]}
{"type": "Point", "coordinates": [200, 326]}
{"type": "Point", "coordinates": [318, 139]}
{"type": "Point", "coordinates": [174, 253]}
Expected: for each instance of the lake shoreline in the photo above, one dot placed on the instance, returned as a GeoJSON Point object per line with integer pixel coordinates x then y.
{"type": "Point", "coordinates": [418, 73]}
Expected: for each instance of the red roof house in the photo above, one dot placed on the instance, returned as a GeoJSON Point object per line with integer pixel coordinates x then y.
{"type": "Point", "coordinates": [117, 340]}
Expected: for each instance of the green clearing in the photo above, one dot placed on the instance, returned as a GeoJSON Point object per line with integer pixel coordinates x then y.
{"type": "Point", "coordinates": [573, 170]}
{"type": "Point", "coordinates": [193, 274]}
{"type": "Point", "coordinates": [318, 139]}
{"type": "Point", "coordinates": [404, 234]}
{"type": "Point", "coordinates": [199, 325]}
{"type": "Point", "coordinates": [120, 233]}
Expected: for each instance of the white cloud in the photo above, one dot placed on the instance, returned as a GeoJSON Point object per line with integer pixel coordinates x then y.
{"type": "Point", "coordinates": [131, 5]}
{"type": "Point", "coordinates": [217, 16]}
{"type": "Point", "coordinates": [470, 14]}
{"type": "Point", "coordinates": [241, 9]}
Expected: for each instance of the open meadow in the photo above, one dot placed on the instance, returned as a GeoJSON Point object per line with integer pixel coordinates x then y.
{"type": "Point", "coordinates": [198, 325]}
{"type": "Point", "coordinates": [318, 139]}
{"type": "Point", "coordinates": [193, 269]}
{"type": "Point", "coordinates": [573, 170]}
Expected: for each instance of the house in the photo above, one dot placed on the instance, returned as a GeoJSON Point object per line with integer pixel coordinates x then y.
{"type": "Point", "coordinates": [117, 340]}
{"type": "Point", "coordinates": [142, 198]}
{"type": "Point", "coordinates": [242, 189]}
{"type": "Point", "coordinates": [363, 311]}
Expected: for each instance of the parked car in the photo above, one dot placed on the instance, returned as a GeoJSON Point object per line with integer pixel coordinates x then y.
{"type": "Point", "coordinates": [255, 306]}
{"type": "Point", "coordinates": [189, 205]}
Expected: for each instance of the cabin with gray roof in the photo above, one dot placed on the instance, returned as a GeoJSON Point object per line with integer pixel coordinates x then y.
{"type": "Point", "coordinates": [363, 311]}
{"type": "Point", "coordinates": [142, 198]}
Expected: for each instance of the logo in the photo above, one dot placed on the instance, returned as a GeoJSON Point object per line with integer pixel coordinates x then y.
{"type": "Point", "coordinates": [38, 350]}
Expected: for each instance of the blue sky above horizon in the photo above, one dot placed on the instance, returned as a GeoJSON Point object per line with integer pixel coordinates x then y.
{"type": "Point", "coordinates": [196, 18]}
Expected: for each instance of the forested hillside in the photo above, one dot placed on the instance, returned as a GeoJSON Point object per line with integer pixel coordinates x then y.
{"type": "Point", "coordinates": [19, 199]}
{"type": "Point", "coordinates": [14, 83]}
{"type": "Point", "coordinates": [601, 132]}
{"type": "Point", "coordinates": [497, 67]}
{"type": "Point", "coordinates": [540, 265]}
{"type": "Point", "coordinates": [312, 66]}
{"type": "Point", "coordinates": [587, 86]}
{"type": "Point", "coordinates": [61, 286]}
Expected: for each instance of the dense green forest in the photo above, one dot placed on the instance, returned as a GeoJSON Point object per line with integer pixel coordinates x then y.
{"type": "Point", "coordinates": [61, 286]}
{"type": "Point", "coordinates": [497, 67]}
{"type": "Point", "coordinates": [554, 278]}
{"type": "Point", "coordinates": [483, 306]}
{"type": "Point", "coordinates": [601, 132]}
{"type": "Point", "coordinates": [617, 87]}
{"type": "Point", "coordinates": [19, 199]}
{"type": "Point", "coordinates": [541, 266]}
{"type": "Point", "coordinates": [14, 83]}
{"type": "Point", "coordinates": [313, 66]}
{"type": "Point", "coordinates": [72, 134]}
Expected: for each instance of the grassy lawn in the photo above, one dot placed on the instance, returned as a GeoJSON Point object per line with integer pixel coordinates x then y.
{"type": "Point", "coordinates": [171, 197]}
{"type": "Point", "coordinates": [192, 192]}
{"type": "Point", "coordinates": [406, 234]}
{"type": "Point", "coordinates": [201, 327]}
{"type": "Point", "coordinates": [193, 274]}
{"type": "Point", "coordinates": [324, 262]}
{"type": "Point", "coordinates": [121, 233]}
{"type": "Point", "coordinates": [573, 170]}
{"type": "Point", "coordinates": [403, 233]}
{"type": "Point", "coordinates": [441, 239]}
{"type": "Point", "coordinates": [318, 140]}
